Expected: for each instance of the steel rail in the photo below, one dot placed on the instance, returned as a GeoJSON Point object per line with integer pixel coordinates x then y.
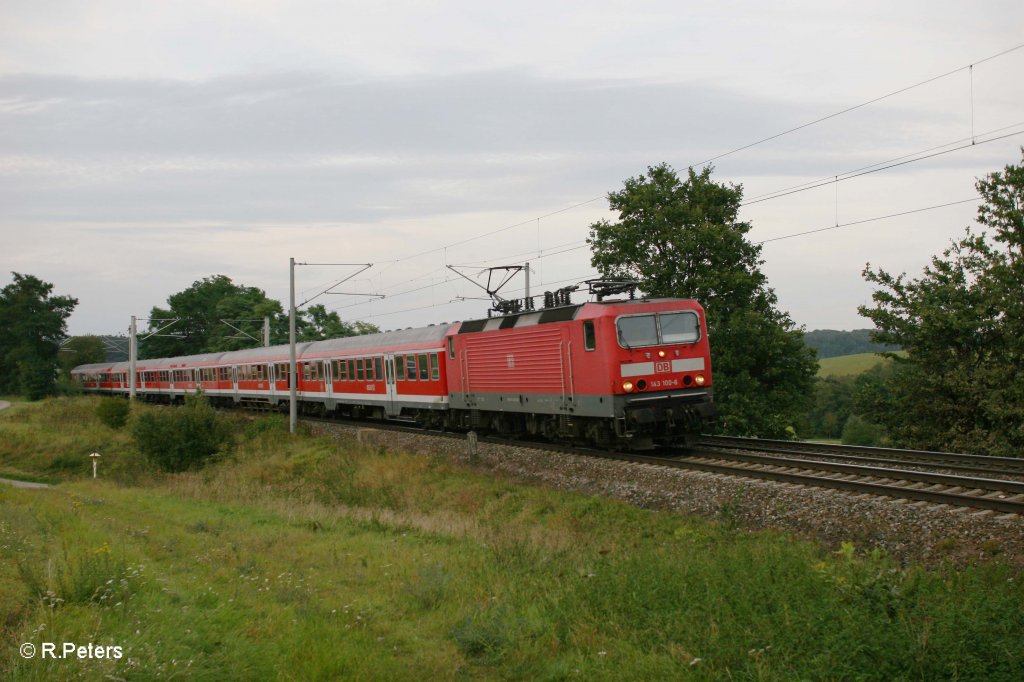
{"type": "Point", "coordinates": [956, 499]}
{"type": "Point", "coordinates": [970, 482]}
{"type": "Point", "coordinates": [948, 460]}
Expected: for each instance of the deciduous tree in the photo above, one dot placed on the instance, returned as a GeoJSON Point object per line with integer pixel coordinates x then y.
{"type": "Point", "coordinates": [32, 324]}
{"type": "Point", "coordinates": [962, 326]}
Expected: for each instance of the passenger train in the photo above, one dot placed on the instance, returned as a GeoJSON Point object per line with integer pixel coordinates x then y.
{"type": "Point", "coordinates": [629, 373]}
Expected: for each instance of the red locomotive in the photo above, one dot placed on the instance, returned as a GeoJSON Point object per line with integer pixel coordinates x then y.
{"type": "Point", "coordinates": [633, 373]}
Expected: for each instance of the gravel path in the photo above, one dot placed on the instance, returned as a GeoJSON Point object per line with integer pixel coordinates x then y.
{"type": "Point", "coordinates": [23, 484]}
{"type": "Point", "coordinates": [906, 530]}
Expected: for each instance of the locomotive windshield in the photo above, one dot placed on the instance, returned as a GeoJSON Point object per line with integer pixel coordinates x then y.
{"type": "Point", "coordinates": [664, 328]}
{"type": "Point", "coordinates": [637, 330]}
{"type": "Point", "coordinates": [679, 327]}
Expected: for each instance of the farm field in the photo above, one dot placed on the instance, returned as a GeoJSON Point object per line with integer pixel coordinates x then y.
{"type": "Point", "coordinates": [849, 365]}
{"type": "Point", "coordinates": [305, 558]}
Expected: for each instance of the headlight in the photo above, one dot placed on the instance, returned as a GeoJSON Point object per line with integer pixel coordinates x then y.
{"type": "Point", "coordinates": [699, 379]}
{"type": "Point", "coordinates": [627, 386]}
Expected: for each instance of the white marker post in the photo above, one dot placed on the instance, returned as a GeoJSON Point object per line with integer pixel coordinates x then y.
{"type": "Point", "coordinates": [95, 457]}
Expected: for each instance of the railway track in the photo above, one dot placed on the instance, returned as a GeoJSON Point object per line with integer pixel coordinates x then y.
{"type": "Point", "coordinates": [983, 492]}
{"type": "Point", "coordinates": [945, 461]}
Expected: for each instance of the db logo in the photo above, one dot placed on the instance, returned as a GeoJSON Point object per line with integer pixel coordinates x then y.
{"type": "Point", "coordinates": [660, 367]}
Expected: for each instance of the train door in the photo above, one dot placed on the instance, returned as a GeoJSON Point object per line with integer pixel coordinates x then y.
{"type": "Point", "coordinates": [390, 387]}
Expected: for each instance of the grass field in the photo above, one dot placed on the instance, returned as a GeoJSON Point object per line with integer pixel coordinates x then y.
{"type": "Point", "coordinates": [849, 365]}
{"type": "Point", "coordinates": [299, 558]}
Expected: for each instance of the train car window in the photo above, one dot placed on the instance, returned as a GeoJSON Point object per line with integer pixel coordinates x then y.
{"type": "Point", "coordinates": [589, 337]}
{"type": "Point", "coordinates": [389, 369]}
{"type": "Point", "coordinates": [351, 369]}
{"type": "Point", "coordinates": [637, 330]}
{"type": "Point", "coordinates": [369, 369]}
{"type": "Point", "coordinates": [305, 371]}
{"type": "Point", "coordinates": [679, 327]}
{"type": "Point", "coordinates": [451, 347]}
{"type": "Point", "coordinates": [259, 373]}
{"type": "Point", "coordinates": [344, 370]}
{"type": "Point", "coordinates": [360, 371]}
{"type": "Point", "coordinates": [283, 371]}
{"type": "Point", "coordinates": [435, 367]}
{"type": "Point", "coordinates": [410, 366]}
{"type": "Point", "coordinates": [400, 367]}
{"type": "Point", "coordinates": [378, 367]}
{"type": "Point", "coordinates": [424, 370]}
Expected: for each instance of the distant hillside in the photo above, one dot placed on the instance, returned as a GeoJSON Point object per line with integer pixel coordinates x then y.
{"type": "Point", "coordinates": [830, 343]}
{"type": "Point", "coordinates": [849, 365]}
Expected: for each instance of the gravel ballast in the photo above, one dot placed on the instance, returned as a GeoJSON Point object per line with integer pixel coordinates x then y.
{"type": "Point", "coordinates": [907, 531]}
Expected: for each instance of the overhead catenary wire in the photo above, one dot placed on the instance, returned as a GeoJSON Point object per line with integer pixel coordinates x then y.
{"type": "Point", "coordinates": [868, 220]}
{"type": "Point", "coordinates": [862, 105]}
{"type": "Point", "coordinates": [892, 163]}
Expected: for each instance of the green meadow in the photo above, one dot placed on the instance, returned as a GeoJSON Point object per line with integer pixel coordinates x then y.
{"type": "Point", "coordinates": [849, 365]}
{"type": "Point", "coordinates": [304, 558]}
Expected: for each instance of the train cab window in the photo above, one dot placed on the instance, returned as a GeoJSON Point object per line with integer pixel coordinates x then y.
{"type": "Point", "coordinates": [679, 327]}
{"type": "Point", "coordinates": [400, 367]}
{"type": "Point", "coordinates": [378, 367]}
{"type": "Point", "coordinates": [451, 347]}
{"type": "Point", "coordinates": [589, 337]}
{"type": "Point", "coordinates": [424, 370]}
{"type": "Point", "coordinates": [410, 366]}
{"type": "Point", "coordinates": [637, 330]}
{"type": "Point", "coordinates": [435, 367]}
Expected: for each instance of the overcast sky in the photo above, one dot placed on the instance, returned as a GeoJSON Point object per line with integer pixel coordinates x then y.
{"type": "Point", "coordinates": [144, 146]}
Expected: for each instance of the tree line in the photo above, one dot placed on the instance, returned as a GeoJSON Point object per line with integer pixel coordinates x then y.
{"type": "Point", "coordinates": [36, 357]}
{"type": "Point", "coordinates": [955, 386]}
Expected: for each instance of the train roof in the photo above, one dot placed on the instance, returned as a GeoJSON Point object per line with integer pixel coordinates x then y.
{"type": "Point", "coordinates": [563, 313]}
{"type": "Point", "coordinates": [401, 337]}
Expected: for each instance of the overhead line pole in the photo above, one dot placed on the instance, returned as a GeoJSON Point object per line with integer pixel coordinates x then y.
{"type": "Point", "coordinates": [293, 410]}
{"type": "Point", "coordinates": [293, 379]}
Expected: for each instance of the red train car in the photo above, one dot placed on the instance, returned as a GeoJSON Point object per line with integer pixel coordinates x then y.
{"type": "Point", "coordinates": [634, 373]}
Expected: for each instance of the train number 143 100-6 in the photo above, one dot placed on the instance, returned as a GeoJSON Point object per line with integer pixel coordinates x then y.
{"type": "Point", "coordinates": [664, 383]}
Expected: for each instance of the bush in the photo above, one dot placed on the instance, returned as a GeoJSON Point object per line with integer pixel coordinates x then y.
{"type": "Point", "coordinates": [114, 412]}
{"type": "Point", "coordinates": [859, 431]}
{"type": "Point", "coordinates": [182, 438]}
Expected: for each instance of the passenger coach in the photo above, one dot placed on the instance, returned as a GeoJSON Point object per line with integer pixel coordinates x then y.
{"type": "Point", "coordinates": [634, 373]}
